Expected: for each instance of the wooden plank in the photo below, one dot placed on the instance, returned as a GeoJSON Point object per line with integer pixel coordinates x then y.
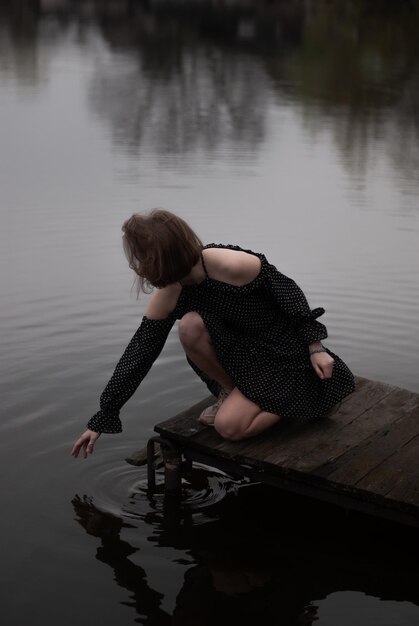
{"type": "Point", "coordinates": [185, 424]}
{"type": "Point", "coordinates": [406, 469]}
{"type": "Point", "coordinates": [355, 464]}
{"type": "Point", "coordinates": [190, 433]}
{"type": "Point", "coordinates": [309, 450]}
{"type": "Point", "coordinates": [382, 414]}
{"type": "Point", "coordinates": [398, 476]}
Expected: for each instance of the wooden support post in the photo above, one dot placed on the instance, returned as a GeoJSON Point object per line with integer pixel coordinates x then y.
{"type": "Point", "coordinates": [172, 457]}
{"type": "Point", "coordinates": [151, 469]}
{"type": "Point", "coordinates": [187, 467]}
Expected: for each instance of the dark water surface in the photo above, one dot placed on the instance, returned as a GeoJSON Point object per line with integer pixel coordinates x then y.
{"type": "Point", "coordinates": [292, 130]}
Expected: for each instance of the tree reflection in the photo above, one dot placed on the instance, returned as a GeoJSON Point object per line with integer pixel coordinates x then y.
{"type": "Point", "coordinates": [351, 68]}
{"type": "Point", "coordinates": [356, 72]}
{"type": "Point", "coordinates": [176, 94]}
{"type": "Point", "coordinates": [19, 42]}
{"type": "Point", "coordinates": [175, 78]}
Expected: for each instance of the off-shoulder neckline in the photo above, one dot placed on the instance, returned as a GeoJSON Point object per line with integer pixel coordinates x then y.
{"type": "Point", "coordinates": [221, 283]}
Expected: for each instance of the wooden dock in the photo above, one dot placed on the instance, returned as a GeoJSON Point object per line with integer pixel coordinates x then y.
{"type": "Point", "coordinates": [364, 456]}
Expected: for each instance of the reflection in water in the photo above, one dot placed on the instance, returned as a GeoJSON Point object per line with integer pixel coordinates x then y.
{"type": "Point", "coordinates": [196, 98]}
{"type": "Point", "coordinates": [177, 89]}
{"type": "Point", "coordinates": [182, 80]}
{"type": "Point", "coordinates": [19, 43]}
{"type": "Point", "coordinates": [115, 552]}
{"type": "Point", "coordinates": [358, 74]}
{"type": "Point", "coordinates": [277, 576]}
{"type": "Point", "coordinates": [228, 583]}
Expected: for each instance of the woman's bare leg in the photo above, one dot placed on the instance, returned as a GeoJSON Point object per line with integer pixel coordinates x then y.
{"type": "Point", "coordinates": [197, 344]}
{"type": "Point", "coordinates": [239, 418]}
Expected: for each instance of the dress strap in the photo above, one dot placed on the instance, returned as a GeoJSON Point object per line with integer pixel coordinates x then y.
{"type": "Point", "coordinates": [204, 266]}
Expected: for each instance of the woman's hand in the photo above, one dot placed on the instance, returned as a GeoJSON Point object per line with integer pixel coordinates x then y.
{"type": "Point", "coordinates": [87, 442]}
{"type": "Point", "coordinates": [322, 364]}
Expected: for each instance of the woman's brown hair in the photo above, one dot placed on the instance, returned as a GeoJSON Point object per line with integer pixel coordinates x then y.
{"type": "Point", "coordinates": [160, 247]}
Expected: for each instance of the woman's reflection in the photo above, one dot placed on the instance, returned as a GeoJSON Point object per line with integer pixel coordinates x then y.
{"type": "Point", "coordinates": [267, 559]}
{"type": "Point", "coordinates": [231, 581]}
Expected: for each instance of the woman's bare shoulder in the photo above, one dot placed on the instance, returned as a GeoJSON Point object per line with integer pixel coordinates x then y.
{"type": "Point", "coordinates": [163, 302]}
{"type": "Point", "coordinates": [235, 267]}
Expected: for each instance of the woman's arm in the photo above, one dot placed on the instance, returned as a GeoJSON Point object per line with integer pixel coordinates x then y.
{"type": "Point", "coordinates": [292, 302]}
{"type": "Point", "coordinates": [136, 361]}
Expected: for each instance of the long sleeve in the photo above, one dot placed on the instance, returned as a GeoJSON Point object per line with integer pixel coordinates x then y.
{"type": "Point", "coordinates": [133, 366]}
{"type": "Point", "coordinates": [293, 304]}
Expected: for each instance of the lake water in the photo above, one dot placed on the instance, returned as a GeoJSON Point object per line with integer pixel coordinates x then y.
{"type": "Point", "coordinates": [291, 130]}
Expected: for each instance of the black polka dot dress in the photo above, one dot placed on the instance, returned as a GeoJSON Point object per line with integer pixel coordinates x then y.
{"type": "Point", "coordinates": [260, 333]}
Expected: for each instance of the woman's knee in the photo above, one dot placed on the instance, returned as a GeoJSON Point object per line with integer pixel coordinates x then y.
{"type": "Point", "coordinates": [228, 427]}
{"type": "Point", "coordinates": [235, 424]}
{"type": "Point", "coordinates": [191, 329]}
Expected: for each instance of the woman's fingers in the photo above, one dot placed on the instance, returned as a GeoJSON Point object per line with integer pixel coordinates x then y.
{"type": "Point", "coordinates": [86, 442]}
{"type": "Point", "coordinates": [323, 365]}
{"type": "Point", "coordinates": [318, 371]}
{"type": "Point", "coordinates": [328, 370]}
{"type": "Point", "coordinates": [76, 448]}
{"type": "Point", "coordinates": [90, 445]}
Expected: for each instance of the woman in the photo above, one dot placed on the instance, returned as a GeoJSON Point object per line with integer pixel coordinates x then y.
{"type": "Point", "coordinates": [246, 329]}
